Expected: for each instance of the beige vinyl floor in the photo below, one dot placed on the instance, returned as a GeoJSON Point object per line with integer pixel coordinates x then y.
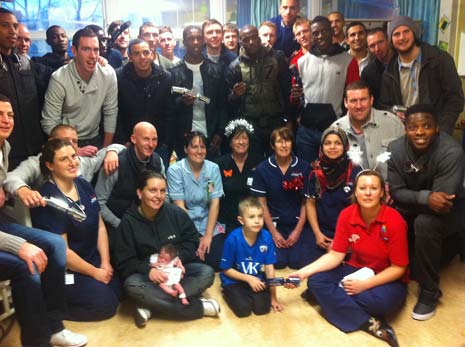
{"type": "Point", "coordinates": [300, 324]}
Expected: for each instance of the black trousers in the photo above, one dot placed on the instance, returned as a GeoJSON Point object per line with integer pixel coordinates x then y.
{"type": "Point", "coordinates": [243, 301]}
{"type": "Point", "coordinates": [434, 240]}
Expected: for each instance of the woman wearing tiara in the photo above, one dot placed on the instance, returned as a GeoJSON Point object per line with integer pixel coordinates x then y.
{"type": "Point", "coordinates": [236, 170]}
{"type": "Point", "coordinates": [91, 289]}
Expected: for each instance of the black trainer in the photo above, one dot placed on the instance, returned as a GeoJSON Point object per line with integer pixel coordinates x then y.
{"type": "Point", "coordinates": [425, 307]}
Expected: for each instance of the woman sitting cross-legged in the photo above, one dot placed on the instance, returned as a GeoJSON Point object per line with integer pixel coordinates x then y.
{"type": "Point", "coordinates": [377, 236]}
{"type": "Point", "coordinates": [144, 231]}
{"type": "Point", "coordinates": [91, 289]}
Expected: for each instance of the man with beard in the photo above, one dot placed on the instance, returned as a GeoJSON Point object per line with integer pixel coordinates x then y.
{"type": "Point", "coordinates": [426, 173]}
{"type": "Point", "coordinates": [24, 41]}
{"type": "Point", "coordinates": [421, 73]}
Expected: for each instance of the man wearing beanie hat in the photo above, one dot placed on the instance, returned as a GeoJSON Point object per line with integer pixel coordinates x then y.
{"type": "Point", "coordinates": [421, 73]}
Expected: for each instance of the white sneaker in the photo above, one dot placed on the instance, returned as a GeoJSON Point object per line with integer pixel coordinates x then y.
{"type": "Point", "coordinates": [211, 307]}
{"type": "Point", "coordinates": [142, 316]}
{"type": "Point", "coordinates": [66, 338]}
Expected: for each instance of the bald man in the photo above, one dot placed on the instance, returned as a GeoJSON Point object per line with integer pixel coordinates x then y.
{"type": "Point", "coordinates": [23, 43]}
{"type": "Point", "coordinates": [116, 193]}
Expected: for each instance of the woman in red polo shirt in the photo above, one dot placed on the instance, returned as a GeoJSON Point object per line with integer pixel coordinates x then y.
{"type": "Point", "coordinates": [377, 237]}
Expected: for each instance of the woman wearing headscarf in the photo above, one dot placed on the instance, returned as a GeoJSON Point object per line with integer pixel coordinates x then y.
{"type": "Point", "coordinates": [328, 189]}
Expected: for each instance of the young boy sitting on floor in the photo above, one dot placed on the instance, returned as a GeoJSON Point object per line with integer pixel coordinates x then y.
{"type": "Point", "coordinates": [248, 258]}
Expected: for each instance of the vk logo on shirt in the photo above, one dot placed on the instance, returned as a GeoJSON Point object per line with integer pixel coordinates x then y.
{"type": "Point", "coordinates": [250, 268]}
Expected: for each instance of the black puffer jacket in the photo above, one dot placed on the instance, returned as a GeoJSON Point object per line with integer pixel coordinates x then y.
{"type": "Point", "coordinates": [21, 88]}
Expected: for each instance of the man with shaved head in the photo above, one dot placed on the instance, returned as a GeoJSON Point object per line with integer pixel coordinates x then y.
{"type": "Point", "coordinates": [24, 40]}
{"type": "Point", "coordinates": [116, 193]}
{"type": "Point", "coordinates": [259, 84]}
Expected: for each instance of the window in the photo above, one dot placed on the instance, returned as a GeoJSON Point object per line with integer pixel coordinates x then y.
{"type": "Point", "coordinates": [38, 15]}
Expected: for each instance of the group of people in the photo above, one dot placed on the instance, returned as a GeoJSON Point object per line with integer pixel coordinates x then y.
{"type": "Point", "coordinates": [259, 150]}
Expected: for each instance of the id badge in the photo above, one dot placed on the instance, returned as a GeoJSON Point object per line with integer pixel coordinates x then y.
{"type": "Point", "coordinates": [69, 279]}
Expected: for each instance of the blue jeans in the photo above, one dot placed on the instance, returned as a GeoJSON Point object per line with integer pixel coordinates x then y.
{"type": "Point", "coordinates": [39, 299]}
{"type": "Point", "coordinates": [147, 294]}
{"type": "Point", "coordinates": [349, 312]}
{"type": "Point", "coordinates": [308, 143]}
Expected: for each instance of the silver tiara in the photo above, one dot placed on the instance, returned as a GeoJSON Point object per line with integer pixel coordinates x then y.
{"type": "Point", "coordinates": [232, 125]}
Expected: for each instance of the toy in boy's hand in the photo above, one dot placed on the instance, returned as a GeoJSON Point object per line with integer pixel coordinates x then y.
{"type": "Point", "coordinates": [280, 281]}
